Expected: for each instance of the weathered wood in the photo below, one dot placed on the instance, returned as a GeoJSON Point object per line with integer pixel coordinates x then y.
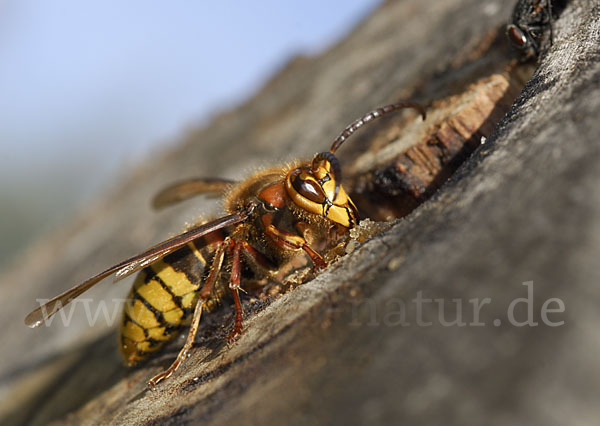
{"type": "Point", "coordinates": [392, 181]}
{"type": "Point", "coordinates": [524, 207]}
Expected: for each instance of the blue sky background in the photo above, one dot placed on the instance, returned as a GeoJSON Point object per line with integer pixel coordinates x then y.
{"type": "Point", "coordinates": [88, 87]}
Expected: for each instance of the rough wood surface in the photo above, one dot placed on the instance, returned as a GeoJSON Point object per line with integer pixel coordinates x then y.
{"type": "Point", "coordinates": [524, 207]}
{"type": "Point", "coordinates": [392, 181]}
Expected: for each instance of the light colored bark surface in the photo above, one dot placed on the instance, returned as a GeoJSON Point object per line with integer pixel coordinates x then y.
{"type": "Point", "coordinates": [525, 207]}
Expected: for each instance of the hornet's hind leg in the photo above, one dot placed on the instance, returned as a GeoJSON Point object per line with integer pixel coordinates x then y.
{"type": "Point", "coordinates": [184, 351]}
{"type": "Point", "coordinates": [204, 295]}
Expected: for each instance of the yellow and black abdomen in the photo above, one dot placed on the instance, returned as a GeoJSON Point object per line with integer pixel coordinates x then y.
{"type": "Point", "coordinates": [162, 299]}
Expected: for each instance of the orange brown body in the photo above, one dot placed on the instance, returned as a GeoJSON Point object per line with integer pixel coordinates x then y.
{"type": "Point", "coordinates": [271, 217]}
{"type": "Point", "coordinates": [164, 294]}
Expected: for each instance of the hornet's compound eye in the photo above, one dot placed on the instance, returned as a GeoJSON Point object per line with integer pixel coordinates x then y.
{"type": "Point", "coordinates": [516, 36]}
{"type": "Point", "coordinates": [308, 187]}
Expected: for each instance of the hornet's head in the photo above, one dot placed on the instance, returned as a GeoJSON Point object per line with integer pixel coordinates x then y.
{"type": "Point", "coordinates": [316, 187]}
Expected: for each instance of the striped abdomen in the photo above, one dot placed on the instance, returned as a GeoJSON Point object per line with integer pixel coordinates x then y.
{"type": "Point", "coordinates": [162, 299]}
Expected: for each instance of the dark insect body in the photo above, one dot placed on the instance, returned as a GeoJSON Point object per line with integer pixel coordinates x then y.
{"type": "Point", "coordinates": [272, 217]}
{"type": "Point", "coordinates": [530, 28]}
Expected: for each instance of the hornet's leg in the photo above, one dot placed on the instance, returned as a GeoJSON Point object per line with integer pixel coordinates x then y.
{"type": "Point", "coordinates": [295, 241]}
{"type": "Point", "coordinates": [252, 255]}
{"type": "Point", "coordinates": [205, 292]}
{"type": "Point", "coordinates": [234, 286]}
{"type": "Point", "coordinates": [184, 351]}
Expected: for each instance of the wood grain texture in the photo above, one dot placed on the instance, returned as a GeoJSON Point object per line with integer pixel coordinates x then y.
{"type": "Point", "coordinates": [392, 181]}
{"type": "Point", "coordinates": [524, 207]}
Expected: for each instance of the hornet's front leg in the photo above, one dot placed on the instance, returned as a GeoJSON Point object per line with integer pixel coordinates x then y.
{"type": "Point", "coordinates": [287, 239]}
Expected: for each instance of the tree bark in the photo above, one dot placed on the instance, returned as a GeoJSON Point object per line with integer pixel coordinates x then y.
{"type": "Point", "coordinates": [378, 338]}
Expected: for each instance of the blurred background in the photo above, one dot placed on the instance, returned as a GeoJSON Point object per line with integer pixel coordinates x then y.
{"type": "Point", "coordinates": [89, 89]}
